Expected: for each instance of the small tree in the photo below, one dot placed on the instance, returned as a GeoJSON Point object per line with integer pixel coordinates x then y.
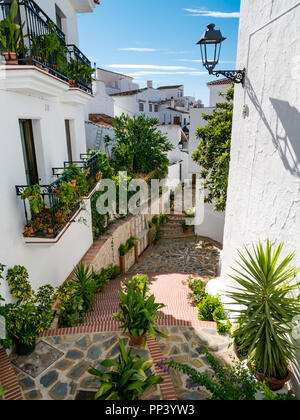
{"type": "Point", "coordinates": [139, 147]}
{"type": "Point", "coordinates": [213, 152]}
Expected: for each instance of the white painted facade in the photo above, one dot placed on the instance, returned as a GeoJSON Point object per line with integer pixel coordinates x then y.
{"type": "Point", "coordinates": [212, 225]}
{"type": "Point", "coordinates": [138, 103]}
{"type": "Point", "coordinates": [264, 185]}
{"type": "Point", "coordinates": [29, 93]}
{"type": "Point", "coordinates": [214, 95]}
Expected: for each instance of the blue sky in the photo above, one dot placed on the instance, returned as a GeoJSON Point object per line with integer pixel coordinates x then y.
{"type": "Point", "coordinates": [155, 39]}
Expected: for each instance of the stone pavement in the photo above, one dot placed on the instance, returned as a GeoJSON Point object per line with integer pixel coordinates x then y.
{"type": "Point", "coordinates": [185, 255]}
{"type": "Point", "coordinates": [63, 373]}
{"type": "Point", "coordinates": [68, 376]}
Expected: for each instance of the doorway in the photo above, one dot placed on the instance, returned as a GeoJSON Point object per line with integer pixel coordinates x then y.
{"type": "Point", "coordinates": [29, 153]}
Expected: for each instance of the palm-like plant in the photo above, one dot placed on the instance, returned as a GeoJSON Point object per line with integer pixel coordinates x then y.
{"type": "Point", "coordinates": [266, 292]}
{"type": "Point", "coordinates": [85, 284]}
{"type": "Point", "coordinates": [139, 312]}
{"type": "Point", "coordinates": [128, 380]}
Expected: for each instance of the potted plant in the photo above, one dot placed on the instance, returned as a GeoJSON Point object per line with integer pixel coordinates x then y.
{"type": "Point", "coordinates": [157, 236]}
{"type": "Point", "coordinates": [72, 71]}
{"type": "Point", "coordinates": [185, 227]}
{"type": "Point", "coordinates": [30, 315]}
{"type": "Point", "coordinates": [10, 35]}
{"type": "Point", "coordinates": [128, 380]}
{"type": "Point", "coordinates": [265, 294]}
{"type": "Point", "coordinates": [138, 313]}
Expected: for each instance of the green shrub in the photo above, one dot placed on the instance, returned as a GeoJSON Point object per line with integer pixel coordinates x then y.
{"type": "Point", "coordinates": [31, 314]}
{"type": "Point", "coordinates": [198, 290]}
{"type": "Point", "coordinates": [233, 383]}
{"type": "Point", "coordinates": [137, 282]}
{"type": "Point", "coordinates": [71, 310]}
{"type": "Point", "coordinates": [127, 381]}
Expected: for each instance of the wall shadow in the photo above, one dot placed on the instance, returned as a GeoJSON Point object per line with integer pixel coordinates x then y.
{"type": "Point", "coordinates": [288, 120]}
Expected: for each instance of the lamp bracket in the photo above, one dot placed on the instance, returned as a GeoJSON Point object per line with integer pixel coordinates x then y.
{"type": "Point", "coordinates": [237, 76]}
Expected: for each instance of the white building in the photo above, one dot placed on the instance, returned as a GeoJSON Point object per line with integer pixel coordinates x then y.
{"type": "Point", "coordinates": [42, 121]}
{"type": "Point", "coordinates": [213, 222]}
{"type": "Point", "coordinates": [264, 183]}
{"type": "Point", "coordinates": [218, 90]}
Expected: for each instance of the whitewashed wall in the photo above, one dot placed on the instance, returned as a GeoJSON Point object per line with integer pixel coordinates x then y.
{"type": "Point", "coordinates": [214, 96]}
{"type": "Point", "coordinates": [101, 103]}
{"type": "Point", "coordinates": [46, 264]}
{"type": "Point", "coordinates": [70, 26]}
{"type": "Point", "coordinates": [264, 186]}
{"type": "Point", "coordinates": [213, 222]}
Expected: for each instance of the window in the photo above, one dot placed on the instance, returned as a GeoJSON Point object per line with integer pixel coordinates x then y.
{"type": "Point", "coordinates": [156, 108]}
{"type": "Point", "coordinates": [150, 107]}
{"type": "Point", "coordinates": [141, 106]}
{"type": "Point", "coordinates": [59, 17]}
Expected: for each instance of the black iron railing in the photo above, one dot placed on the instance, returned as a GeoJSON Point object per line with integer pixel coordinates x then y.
{"type": "Point", "coordinates": [43, 44]}
{"type": "Point", "coordinates": [48, 208]}
{"type": "Point", "coordinates": [54, 213]}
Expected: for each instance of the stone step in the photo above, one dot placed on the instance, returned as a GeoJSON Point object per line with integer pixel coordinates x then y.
{"type": "Point", "coordinates": [178, 236]}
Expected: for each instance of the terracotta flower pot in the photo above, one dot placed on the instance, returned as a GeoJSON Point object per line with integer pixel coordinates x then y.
{"type": "Point", "coordinates": [136, 341]}
{"type": "Point", "coordinates": [11, 58]}
{"type": "Point", "coordinates": [273, 383]}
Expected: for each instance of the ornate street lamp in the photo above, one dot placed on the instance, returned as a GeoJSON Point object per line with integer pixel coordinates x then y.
{"type": "Point", "coordinates": [210, 46]}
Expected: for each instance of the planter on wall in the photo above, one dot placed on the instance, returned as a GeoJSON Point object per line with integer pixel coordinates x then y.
{"type": "Point", "coordinates": [136, 253]}
{"type": "Point", "coordinates": [123, 263]}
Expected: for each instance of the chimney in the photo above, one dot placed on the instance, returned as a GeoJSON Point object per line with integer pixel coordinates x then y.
{"type": "Point", "coordinates": [149, 84]}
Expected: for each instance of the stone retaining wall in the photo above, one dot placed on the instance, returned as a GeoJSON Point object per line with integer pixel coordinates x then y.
{"type": "Point", "coordinates": [105, 251]}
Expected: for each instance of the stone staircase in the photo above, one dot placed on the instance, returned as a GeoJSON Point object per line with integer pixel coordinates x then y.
{"type": "Point", "coordinates": [173, 228]}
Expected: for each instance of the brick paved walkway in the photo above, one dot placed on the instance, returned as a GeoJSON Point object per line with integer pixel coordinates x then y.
{"type": "Point", "coordinates": [80, 346]}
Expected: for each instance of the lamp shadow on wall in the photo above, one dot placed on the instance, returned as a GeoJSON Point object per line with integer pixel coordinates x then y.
{"type": "Point", "coordinates": [287, 143]}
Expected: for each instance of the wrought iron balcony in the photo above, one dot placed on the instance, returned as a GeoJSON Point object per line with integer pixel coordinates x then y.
{"type": "Point", "coordinates": [49, 208]}
{"type": "Point", "coordinates": [43, 44]}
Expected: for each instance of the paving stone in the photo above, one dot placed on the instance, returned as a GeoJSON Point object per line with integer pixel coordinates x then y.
{"type": "Point", "coordinates": [74, 354]}
{"type": "Point", "coordinates": [63, 365]}
{"type": "Point", "coordinates": [89, 383]}
{"type": "Point", "coordinates": [193, 396]}
{"type": "Point", "coordinates": [84, 342]}
{"type": "Point", "coordinates": [78, 370]}
{"type": "Point", "coordinates": [93, 353]}
{"type": "Point", "coordinates": [27, 383]}
{"type": "Point", "coordinates": [49, 378]}
{"type": "Point", "coordinates": [33, 395]}
{"type": "Point", "coordinates": [59, 391]}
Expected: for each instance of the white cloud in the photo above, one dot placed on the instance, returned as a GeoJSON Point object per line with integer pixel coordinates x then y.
{"type": "Point", "coordinates": [209, 13]}
{"type": "Point", "coordinates": [186, 60]}
{"type": "Point", "coordinates": [139, 49]}
{"type": "Point", "coordinates": [148, 67]}
{"type": "Point", "coordinates": [139, 74]}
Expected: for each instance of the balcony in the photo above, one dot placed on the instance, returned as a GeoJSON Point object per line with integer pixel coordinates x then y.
{"type": "Point", "coordinates": [50, 209]}
{"type": "Point", "coordinates": [40, 44]}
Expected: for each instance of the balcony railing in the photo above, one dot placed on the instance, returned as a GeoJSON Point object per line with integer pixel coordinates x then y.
{"type": "Point", "coordinates": [49, 208]}
{"type": "Point", "coordinates": [43, 44]}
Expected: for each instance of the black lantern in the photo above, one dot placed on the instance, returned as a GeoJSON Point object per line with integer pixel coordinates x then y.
{"type": "Point", "coordinates": [210, 46]}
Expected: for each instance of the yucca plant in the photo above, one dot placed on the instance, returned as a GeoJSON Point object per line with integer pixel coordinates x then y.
{"type": "Point", "coordinates": [128, 380]}
{"type": "Point", "coordinates": [139, 312]}
{"type": "Point", "coordinates": [85, 285]}
{"type": "Point", "coordinates": [266, 293]}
